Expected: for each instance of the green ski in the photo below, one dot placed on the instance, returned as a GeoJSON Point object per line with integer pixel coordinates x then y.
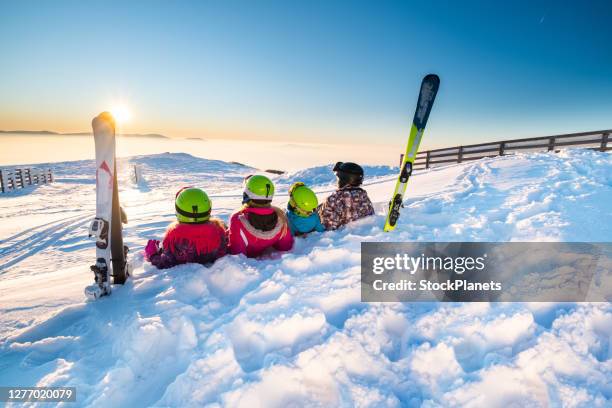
{"type": "Point", "coordinates": [429, 89]}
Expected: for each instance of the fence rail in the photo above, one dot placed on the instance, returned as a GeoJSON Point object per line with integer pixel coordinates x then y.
{"type": "Point", "coordinates": [596, 140]}
{"type": "Point", "coordinates": [12, 179]}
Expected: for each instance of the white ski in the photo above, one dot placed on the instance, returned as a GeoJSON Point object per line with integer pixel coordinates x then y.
{"type": "Point", "coordinates": [106, 228]}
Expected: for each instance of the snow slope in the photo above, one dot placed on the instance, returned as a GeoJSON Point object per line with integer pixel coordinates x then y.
{"type": "Point", "coordinates": [290, 329]}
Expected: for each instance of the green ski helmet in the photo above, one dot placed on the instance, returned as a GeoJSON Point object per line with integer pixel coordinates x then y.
{"type": "Point", "coordinates": [302, 199]}
{"type": "Point", "coordinates": [258, 189]}
{"type": "Point", "coordinates": [192, 205]}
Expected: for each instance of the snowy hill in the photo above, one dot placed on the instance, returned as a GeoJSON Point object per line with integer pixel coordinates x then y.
{"type": "Point", "coordinates": [323, 176]}
{"type": "Point", "coordinates": [290, 329]}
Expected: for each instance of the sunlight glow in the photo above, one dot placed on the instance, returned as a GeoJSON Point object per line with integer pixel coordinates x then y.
{"type": "Point", "coordinates": [121, 113]}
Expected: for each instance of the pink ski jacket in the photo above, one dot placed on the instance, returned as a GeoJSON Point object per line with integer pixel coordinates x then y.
{"type": "Point", "coordinates": [252, 230]}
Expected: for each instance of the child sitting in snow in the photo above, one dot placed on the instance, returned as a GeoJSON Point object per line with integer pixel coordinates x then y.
{"type": "Point", "coordinates": [301, 212]}
{"type": "Point", "coordinates": [349, 202]}
{"type": "Point", "coordinates": [194, 238]}
{"type": "Point", "coordinates": [258, 225]}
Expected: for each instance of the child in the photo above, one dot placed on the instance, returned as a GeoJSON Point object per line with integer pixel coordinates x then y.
{"type": "Point", "coordinates": [194, 238]}
{"type": "Point", "coordinates": [258, 225]}
{"type": "Point", "coordinates": [349, 202]}
{"type": "Point", "coordinates": [301, 210]}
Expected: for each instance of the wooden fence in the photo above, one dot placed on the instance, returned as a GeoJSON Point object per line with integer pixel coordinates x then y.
{"type": "Point", "coordinates": [12, 179]}
{"type": "Point", "coordinates": [597, 140]}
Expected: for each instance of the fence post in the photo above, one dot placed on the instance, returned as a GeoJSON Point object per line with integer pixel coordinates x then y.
{"type": "Point", "coordinates": [1, 181]}
{"type": "Point", "coordinates": [427, 158]}
{"type": "Point", "coordinates": [50, 176]}
{"type": "Point", "coordinates": [20, 177]}
{"type": "Point", "coordinates": [12, 181]}
{"type": "Point", "coordinates": [460, 155]}
{"type": "Point", "coordinates": [551, 144]}
{"type": "Point", "coordinates": [502, 147]}
{"type": "Point", "coordinates": [604, 142]}
{"type": "Point", "coordinates": [28, 173]}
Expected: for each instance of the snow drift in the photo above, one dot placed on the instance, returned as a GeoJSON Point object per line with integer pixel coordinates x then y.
{"type": "Point", "coordinates": [290, 329]}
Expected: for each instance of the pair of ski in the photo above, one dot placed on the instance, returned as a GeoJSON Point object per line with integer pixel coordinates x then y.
{"type": "Point", "coordinates": [106, 228]}
{"type": "Point", "coordinates": [427, 95]}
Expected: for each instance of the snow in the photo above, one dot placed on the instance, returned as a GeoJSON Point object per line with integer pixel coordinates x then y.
{"type": "Point", "coordinates": [289, 329]}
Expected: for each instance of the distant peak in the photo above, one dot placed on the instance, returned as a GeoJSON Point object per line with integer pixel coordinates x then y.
{"type": "Point", "coordinates": [30, 132]}
{"type": "Point", "coordinates": [48, 132]}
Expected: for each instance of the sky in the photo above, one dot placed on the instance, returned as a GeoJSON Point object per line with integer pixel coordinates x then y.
{"type": "Point", "coordinates": [329, 71]}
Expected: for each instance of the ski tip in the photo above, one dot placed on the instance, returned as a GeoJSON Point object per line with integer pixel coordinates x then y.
{"type": "Point", "coordinates": [104, 117]}
{"type": "Point", "coordinates": [432, 78]}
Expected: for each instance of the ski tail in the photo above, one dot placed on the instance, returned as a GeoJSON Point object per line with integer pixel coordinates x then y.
{"type": "Point", "coordinates": [427, 95]}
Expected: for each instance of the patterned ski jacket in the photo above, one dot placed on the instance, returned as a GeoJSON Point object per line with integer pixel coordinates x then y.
{"type": "Point", "coordinates": [254, 229]}
{"type": "Point", "coordinates": [192, 243]}
{"type": "Point", "coordinates": [345, 205]}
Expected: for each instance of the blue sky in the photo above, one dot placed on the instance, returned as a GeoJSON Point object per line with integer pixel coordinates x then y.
{"type": "Point", "coordinates": [309, 71]}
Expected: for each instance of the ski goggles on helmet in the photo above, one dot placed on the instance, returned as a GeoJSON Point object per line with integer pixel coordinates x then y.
{"type": "Point", "coordinates": [294, 186]}
{"type": "Point", "coordinates": [298, 210]}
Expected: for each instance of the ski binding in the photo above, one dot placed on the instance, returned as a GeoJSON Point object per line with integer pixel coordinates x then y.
{"type": "Point", "coordinates": [98, 230]}
{"type": "Point", "coordinates": [102, 286]}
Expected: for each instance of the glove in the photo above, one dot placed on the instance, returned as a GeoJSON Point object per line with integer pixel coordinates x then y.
{"type": "Point", "coordinates": [151, 249]}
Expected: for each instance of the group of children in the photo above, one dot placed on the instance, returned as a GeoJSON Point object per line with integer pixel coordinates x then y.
{"type": "Point", "coordinates": [258, 226]}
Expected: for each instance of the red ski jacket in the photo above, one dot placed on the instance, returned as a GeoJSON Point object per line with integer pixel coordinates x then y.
{"type": "Point", "coordinates": [192, 243]}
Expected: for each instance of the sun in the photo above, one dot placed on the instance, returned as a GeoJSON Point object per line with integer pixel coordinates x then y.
{"type": "Point", "coordinates": [121, 113]}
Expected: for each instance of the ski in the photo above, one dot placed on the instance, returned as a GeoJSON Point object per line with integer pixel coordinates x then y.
{"type": "Point", "coordinates": [106, 227]}
{"type": "Point", "coordinates": [427, 95]}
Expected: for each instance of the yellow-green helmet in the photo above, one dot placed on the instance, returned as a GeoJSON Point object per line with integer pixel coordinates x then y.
{"type": "Point", "coordinates": [259, 189]}
{"type": "Point", "coordinates": [302, 198]}
{"type": "Point", "coordinates": [192, 205]}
